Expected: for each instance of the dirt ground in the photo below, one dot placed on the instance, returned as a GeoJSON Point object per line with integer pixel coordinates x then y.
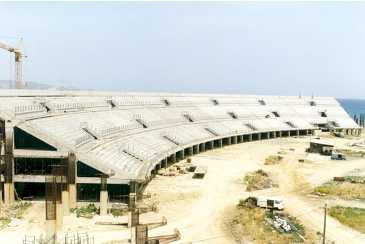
{"type": "Point", "coordinates": [200, 208]}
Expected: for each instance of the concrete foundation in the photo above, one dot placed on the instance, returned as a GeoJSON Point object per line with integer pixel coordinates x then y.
{"type": "Point", "coordinates": [103, 203]}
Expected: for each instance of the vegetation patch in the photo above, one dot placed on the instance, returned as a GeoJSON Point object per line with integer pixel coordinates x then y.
{"type": "Point", "coordinates": [345, 189]}
{"type": "Point", "coordinates": [273, 159]}
{"type": "Point", "coordinates": [257, 180]}
{"type": "Point", "coordinates": [4, 221]}
{"type": "Point", "coordinates": [16, 210]}
{"type": "Point", "coordinates": [352, 217]}
{"type": "Point", "coordinates": [86, 211]}
{"type": "Point", "coordinates": [118, 211]}
{"type": "Point", "coordinates": [259, 225]}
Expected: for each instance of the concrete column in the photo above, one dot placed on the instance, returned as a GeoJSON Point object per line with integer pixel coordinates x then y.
{"type": "Point", "coordinates": [9, 193]}
{"type": "Point", "coordinates": [182, 154]}
{"type": "Point", "coordinates": [202, 147]}
{"type": "Point", "coordinates": [220, 142]}
{"type": "Point", "coordinates": [210, 144]}
{"type": "Point", "coordinates": [72, 195]}
{"type": "Point", "coordinates": [103, 203]}
{"type": "Point", "coordinates": [229, 141]}
{"type": "Point", "coordinates": [250, 137]}
{"type": "Point", "coordinates": [65, 202]}
{"type": "Point", "coordinates": [280, 134]}
{"type": "Point", "coordinates": [51, 231]}
{"type": "Point", "coordinates": [234, 140]}
{"type": "Point", "coordinates": [103, 195]}
{"type": "Point", "coordinates": [9, 197]}
{"type": "Point", "coordinates": [72, 173]}
{"type": "Point", "coordinates": [59, 216]}
{"type": "Point", "coordinates": [190, 151]}
{"type": "Point", "coordinates": [196, 149]}
{"type": "Point", "coordinates": [268, 135]}
{"type": "Point", "coordinates": [240, 138]}
{"type": "Point", "coordinates": [258, 136]}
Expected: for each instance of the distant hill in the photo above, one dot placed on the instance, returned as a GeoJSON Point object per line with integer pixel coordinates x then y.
{"type": "Point", "coordinates": [7, 84]}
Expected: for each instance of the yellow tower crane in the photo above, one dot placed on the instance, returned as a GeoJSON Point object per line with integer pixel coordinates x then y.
{"type": "Point", "coordinates": [19, 55]}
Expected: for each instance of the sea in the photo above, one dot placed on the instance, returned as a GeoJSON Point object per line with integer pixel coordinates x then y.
{"type": "Point", "coordinates": [353, 106]}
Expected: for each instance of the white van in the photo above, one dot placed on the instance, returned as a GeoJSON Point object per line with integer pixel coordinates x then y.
{"type": "Point", "coordinates": [270, 202]}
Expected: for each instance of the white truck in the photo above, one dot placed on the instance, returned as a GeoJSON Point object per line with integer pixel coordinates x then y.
{"type": "Point", "coordinates": [270, 202]}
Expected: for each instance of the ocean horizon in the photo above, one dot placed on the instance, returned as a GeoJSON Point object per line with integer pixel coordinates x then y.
{"type": "Point", "coordinates": [353, 106]}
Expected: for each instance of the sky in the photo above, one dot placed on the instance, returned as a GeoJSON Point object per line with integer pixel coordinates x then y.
{"type": "Point", "coordinates": [286, 48]}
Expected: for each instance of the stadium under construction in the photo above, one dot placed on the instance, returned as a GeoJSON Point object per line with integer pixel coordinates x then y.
{"type": "Point", "coordinates": [124, 138]}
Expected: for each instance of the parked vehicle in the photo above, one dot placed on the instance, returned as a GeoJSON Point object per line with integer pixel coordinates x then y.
{"type": "Point", "coordinates": [269, 202]}
{"type": "Point", "coordinates": [338, 156]}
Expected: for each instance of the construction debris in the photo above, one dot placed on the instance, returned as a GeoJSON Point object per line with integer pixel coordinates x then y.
{"type": "Point", "coordinates": [200, 172]}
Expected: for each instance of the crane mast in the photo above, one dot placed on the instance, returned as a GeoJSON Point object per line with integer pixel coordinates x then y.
{"type": "Point", "coordinates": [19, 55]}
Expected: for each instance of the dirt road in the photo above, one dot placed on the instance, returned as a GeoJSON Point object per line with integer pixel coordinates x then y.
{"type": "Point", "coordinates": [197, 207]}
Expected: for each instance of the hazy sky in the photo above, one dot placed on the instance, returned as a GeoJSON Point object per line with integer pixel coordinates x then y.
{"type": "Point", "coordinates": [250, 48]}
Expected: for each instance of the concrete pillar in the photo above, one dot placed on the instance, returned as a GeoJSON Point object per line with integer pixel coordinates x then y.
{"type": "Point", "coordinates": [210, 145]}
{"type": "Point", "coordinates": [59, 216]}
{"type": "Point", "coordinates": [72, 195]}
{"type": "Point", "coordinates": [229, 142]}
{"type": "Point", "coordinates": [196, 149]}
{"type": "Point", "coordinates": [103, 195]}
{"type": "Point", "coordinates": [250, 137]}
{"type": "Point", "coordinates": [182, 154]}
{"type": "Point", "coordinates": [103, 203]}
{"type": "Point", "coordinates": [202, 147]}
{"type": "Point", "coordinates": [190, 151]}
{"type": "Point", "coordinates": [220, 142]}
{"type": "Point", "coordinates": [72, 173]}
{"type": "Point", "coordinates": [234, 140]}
{"type": "Point", "coordinates": [258, 136]}
{"type": "Point", "coordinates": [9, 196]}
{"type": "Point", "coordinates": [9, 193]}
{"type": "Point", "coordinates": [240, 138]}
{"type": "Point", "coordinates": [65, 202]}
{"type": "Point", "coordinates": [268, 135]}
{"type": "Point", "coordinates": [51, 231]}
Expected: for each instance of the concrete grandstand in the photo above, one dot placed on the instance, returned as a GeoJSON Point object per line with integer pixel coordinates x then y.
{"type": "Point", "coordinates": [127, 137]}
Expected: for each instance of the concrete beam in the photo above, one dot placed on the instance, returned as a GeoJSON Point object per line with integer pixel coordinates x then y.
{"type": "Point", "coordinates": [21, 153]}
